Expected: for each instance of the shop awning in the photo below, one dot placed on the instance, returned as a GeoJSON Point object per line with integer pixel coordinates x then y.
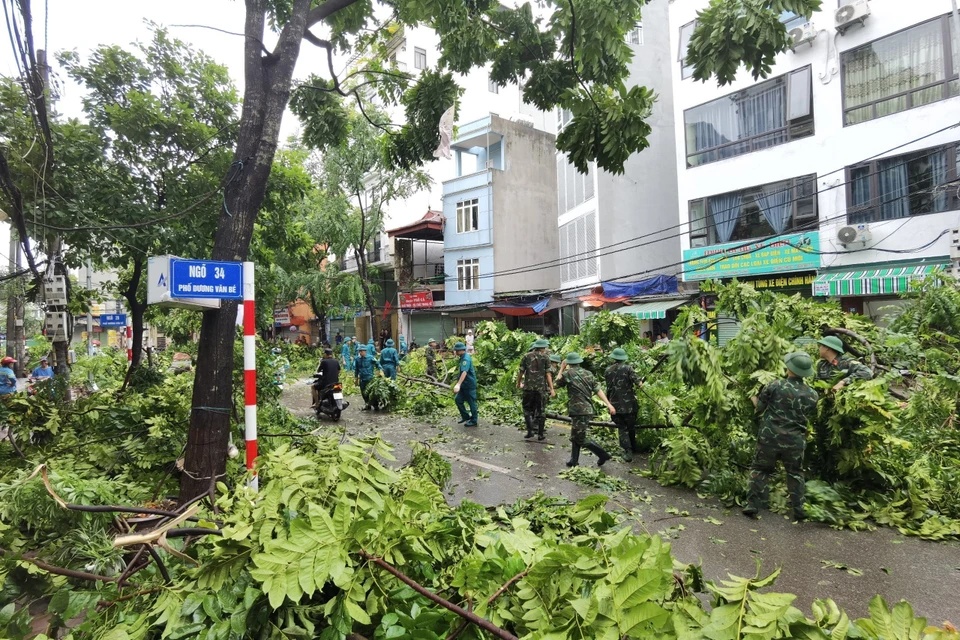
{"type": "Point", "coordinates": [521, 309]}
{"type": "Point", "coordinates": [653, 310]}
{"type": "Point", "coordinates": [871, 282]}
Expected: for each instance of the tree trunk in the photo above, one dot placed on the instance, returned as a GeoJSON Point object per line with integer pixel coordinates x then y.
{"type": "Point", "coordinates": [137, 310]}
{"type": "Point", "coordinates": [267, 80]}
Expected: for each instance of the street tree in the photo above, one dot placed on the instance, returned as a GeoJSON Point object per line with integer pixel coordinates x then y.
{"type": "Point", "coordinates": [575, 57]}
{"type": "Point", "coordinates": [356, 185]}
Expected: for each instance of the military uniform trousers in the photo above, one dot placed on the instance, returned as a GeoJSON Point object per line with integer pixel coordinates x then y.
{"type": "Point", "coordinates": [787, 447]}
{"type": "Point", "coordinates": [579, 424]}
{"type": "Point", "coordinates": [533, 406]}
{"type": "Point", "coordinates": [363, 389]}
{"type": "Point", "coordinates": [627, 426]}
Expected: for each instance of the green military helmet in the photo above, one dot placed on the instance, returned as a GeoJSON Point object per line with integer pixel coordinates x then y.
{"type": "Point", "coordinates": [619, 354]}
{"type": "Point", "coordinates": [432, 341]}
{"type": "Point", "coordinates": [389, 342]}
{"type": "Point", "coordinates": [574, 358]}
{"type": "Point", "coordinates": [459, 347]}
{"type": "Point", "coordinates": [800, 364]}
{"type": "Point", "coordinates": [540, 343]}
{"type": "Point", "coordinates": [555, 357]}
{"type": "Point", "coordinates": [832, 342]}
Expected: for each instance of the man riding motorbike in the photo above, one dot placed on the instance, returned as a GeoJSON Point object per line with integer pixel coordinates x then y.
{"type": "Point", "coordinates": [328, 373]}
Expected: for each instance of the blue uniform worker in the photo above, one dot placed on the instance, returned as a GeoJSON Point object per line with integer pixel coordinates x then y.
{"type": "Point", "coordinates": [390, 360]}
{"type": "Point", "coordinates": [8, 379]}
{"type": "Point", "coordinates": [363, 371]}
{"type": "Point", "coordinates": [403, 347]}
{"type": "Point", "coordinates": [466, 387]}
{"type": "Point", "coordinates": [346, 356]}
{"type": "Point", "coordinates": [43, 371]}
{"type": "Point", "coordinates": [371, 348]}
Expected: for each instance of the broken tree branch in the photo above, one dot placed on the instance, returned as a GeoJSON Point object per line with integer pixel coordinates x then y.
{"type": "Point", "coordinates": [60, 571]}
{"type": "Point", "coordinates": [463, 626]}
{"type": "Point", "coordinates": [486, 625]}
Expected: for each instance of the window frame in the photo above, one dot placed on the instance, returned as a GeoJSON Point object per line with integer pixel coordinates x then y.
{"type": "Point", "coordinates": [686, 71]}
{"type": "Point", "coordinates": [873, 172]}
{"type": "Point", "coordinates": [636, 34]}
{"type": "Point", "coordinates": [492, 87]}
{"type": "Point", "coordinates": [468, 211]}
{"type": "Point", "coordinates": [468, 273]}
{"type": "Point", "coordinates": [419, 54]}
{"type": "Point", "coordinates": [708, 227]}
{"type": "Point", "coordinates": [786, 128]}
{"type": "Point", "coordinates": [950, 74]}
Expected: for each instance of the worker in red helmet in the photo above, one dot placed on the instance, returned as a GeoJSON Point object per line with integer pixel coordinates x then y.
{"type": "Point", "coordinates": [8, 379]}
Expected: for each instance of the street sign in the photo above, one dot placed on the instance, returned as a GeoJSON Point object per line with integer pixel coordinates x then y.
{"type": "Point", "coordinates": [206, 279]}
{"type": "Point", "coordinates": [113, 320]}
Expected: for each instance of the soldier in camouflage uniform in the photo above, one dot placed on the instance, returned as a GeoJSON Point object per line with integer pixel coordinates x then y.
{"type": "Point", "coordinates": [581, 385]}
{"type": "Point", "coordinates": [622, 382]}
{"type": "Point", "coordinates": [786, 407]}
{"type": "Point", "coordinates": [833, 362]}
{"type": "Point", "coordinates": [536, 381]}
{"type": "Point", "coordinates": [431, 357]}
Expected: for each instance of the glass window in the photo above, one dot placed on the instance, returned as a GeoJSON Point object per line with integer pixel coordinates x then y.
{"type": "Point", "coordinates": [419, 58]}
{"type": "Point", "coordinates": [764, 115]}
{"type": "Point", "coordinates": [468, 274]}
{"type": "Point", "coordinates": [635, 35]}
{"type": "Point", "coordinates": [468, 216]}
{"type": "Point", "coordinates": [902, 71]}
{"type": "Point", "coordinates": [492, 86]}
{"type": "Point", "coordinates": [912, 184]}
{"type": "Point", "coordinates": [791, 20]}
{"type": "Point", "coordinates": [763, 211]}
{"type": "Point", "coordinates": [686, 31]}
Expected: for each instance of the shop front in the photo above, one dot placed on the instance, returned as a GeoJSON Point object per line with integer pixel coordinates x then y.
{"type": "Point", "coordinates": [874, 290]}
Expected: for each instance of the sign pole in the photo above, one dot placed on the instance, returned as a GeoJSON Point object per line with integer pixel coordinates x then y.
{"type": "Point", "coordinates": [250, 370]}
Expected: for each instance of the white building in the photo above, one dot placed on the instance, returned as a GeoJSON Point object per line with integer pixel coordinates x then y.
{"type": "Point", "coordinates": [844, 151]}
{"type": "Point", "coordinates": [610, 224]}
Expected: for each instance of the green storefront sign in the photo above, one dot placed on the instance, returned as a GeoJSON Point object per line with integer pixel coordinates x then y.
{"type": "Point", "coordinates": [793, 252]}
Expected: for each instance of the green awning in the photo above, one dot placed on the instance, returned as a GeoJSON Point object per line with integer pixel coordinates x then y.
{"type": "Point", "coordinates": [871, 282]}
{"type": "Point", "coordinates": [651, 310]}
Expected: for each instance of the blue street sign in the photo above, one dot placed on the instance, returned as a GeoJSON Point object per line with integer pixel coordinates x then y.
{"type": "Point", "coordinates": [206, 279]}
{"type": "Point", "coordinates": [113, 320]}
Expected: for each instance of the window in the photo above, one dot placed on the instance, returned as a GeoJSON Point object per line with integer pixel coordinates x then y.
{"type": "Point", "coordinates": [908, 69]}
{"type": "Point", "coordinates": [907, 185]}
{"type": "Point", "coordinates": [765, 115]}
{"type": "Point", "coordinates": [468, 274]}
{"type": "Point", "coordinates": [578, 246]}
{"type": "Point", "coordinates": [468, 216]}
{"type": "Point", "coordinates": [686, 31]}
{"type": "Point", "coordinates": [791, 20]}
{"type": "Point", "coordinates": [573, 187]}
{"type": "Point", "coordinates": [492, 86]}
{"type": "Point", "coordinates": [635, 36]}
{"type": "Point", "coordinates": [758, 212]}
{"type": "Point", "coordinates": [563, 117]}
{"type": "Point", "coordinates": [419, 58]}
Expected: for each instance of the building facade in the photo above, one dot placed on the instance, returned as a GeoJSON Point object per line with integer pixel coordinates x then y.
{"type": "Point", "coordinates": [499, 211]}
{"type": "Point", "coordinates": [611, 226]}
{"type": "Point", "coordinates": [837, 175]}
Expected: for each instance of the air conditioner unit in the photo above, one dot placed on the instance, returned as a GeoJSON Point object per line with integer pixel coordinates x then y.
{"type": "Point", "coordinates": [851, 14]}
{"type": "Point", "coordinates": [805, 34]}
{"type": "Point", "coordinates": [854, 234]}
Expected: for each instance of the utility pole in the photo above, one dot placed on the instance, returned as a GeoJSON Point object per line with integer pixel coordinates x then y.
{"type": "Point", "coordinates": [14, 308]}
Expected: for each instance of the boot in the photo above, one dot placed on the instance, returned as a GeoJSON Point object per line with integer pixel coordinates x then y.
{"type": "Point", "coordinates": [625, 445]}
{"type": "Point", "coordinates": [529, 422]}
{"type": "Point", "coordinates": [541, 430]}
{"type": "Point", "coordinates": [574, 455]}
{"type": "Point", "coordinates": [597, 450]}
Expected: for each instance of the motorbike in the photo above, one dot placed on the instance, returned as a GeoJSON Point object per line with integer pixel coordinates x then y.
{"type": "Point", "coordinates": [331, 401]}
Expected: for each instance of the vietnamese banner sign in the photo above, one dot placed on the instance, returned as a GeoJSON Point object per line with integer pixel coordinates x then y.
{"type": "Point", "coordinates": [417, 300]}
{"type": "Point", "coordinates": [793, 252]}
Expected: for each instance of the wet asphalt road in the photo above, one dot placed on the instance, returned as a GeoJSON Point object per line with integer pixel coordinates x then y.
{"type": "Point", "coordinates": [494, 465]}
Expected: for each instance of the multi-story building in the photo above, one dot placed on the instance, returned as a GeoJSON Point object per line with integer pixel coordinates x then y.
{"type": "Point", "coordinates": [837, 175]}
{"type": "Point", "coordinates": [611, 226]}
{"type": "Point", "coordinates": [499, 211]}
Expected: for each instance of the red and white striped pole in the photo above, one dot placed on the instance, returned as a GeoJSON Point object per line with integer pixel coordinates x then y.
{"type": "Point", "coordinates": [129, 340]}
{"type": "Point", "coordinates": [250, 370]}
